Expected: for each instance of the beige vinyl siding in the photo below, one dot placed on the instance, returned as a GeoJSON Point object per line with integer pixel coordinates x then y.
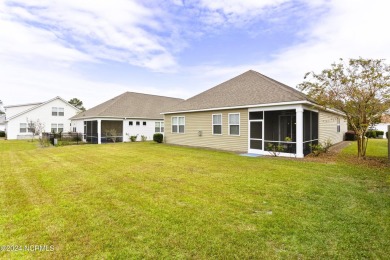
{"type": "Point", "coordinates": [202, 121]}
{"type": "Point", "coordinates": [328, 127]}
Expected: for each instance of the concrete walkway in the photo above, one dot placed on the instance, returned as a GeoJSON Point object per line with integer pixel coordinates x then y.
{"type": "Point", "coordinates": [339, 146]}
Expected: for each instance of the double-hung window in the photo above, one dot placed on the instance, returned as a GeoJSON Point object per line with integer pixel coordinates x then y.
{"type": "Point", "coordinates": [217, 124]}
{"type": "Point", "coordinates": [159, 127]}
{"type": "Point", "coordinates": [54, 111]}
{"type": "Point", "coordinates": [178, 124]}
{"type": "Point", "coordinates": [54, 128]}
{"type": "Point", "coordinates": [61, 111]}
{"type": "Point", "coordinates": [234, 124]}
{"type": "Point", "coordinates": [60, 128]}
{"type": "Point", "coordinates": [23, 128]}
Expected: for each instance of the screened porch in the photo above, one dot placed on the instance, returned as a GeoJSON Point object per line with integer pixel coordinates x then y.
{"type": "Point", "coordinates": [277, 130]}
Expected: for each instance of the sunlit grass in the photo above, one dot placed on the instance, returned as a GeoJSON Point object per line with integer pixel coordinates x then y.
{"type": "Point", "coordinates": [146, 200]}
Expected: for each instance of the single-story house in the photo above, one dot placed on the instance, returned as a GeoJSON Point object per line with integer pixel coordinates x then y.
{"type": "Point", "coordinates": [54, 114]}
{"type": "Point", "coordinates": [129, 114]}
{"type": "Point", "coordinates": [382, 126]}
{"type": "Point", "coordinates": [253, 113]}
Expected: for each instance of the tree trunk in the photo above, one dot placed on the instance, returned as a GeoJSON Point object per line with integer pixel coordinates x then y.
{"type": "Point", "coordinates": [362, 145]}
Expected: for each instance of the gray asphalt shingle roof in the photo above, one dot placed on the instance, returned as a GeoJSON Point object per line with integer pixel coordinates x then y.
{"type": "Point", "coordinates": [249, 88]}
{"type": "Point", "coordinates": [131, 105]}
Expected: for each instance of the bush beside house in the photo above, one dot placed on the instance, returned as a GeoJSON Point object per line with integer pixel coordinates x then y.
{"type": "Point", "coordinates": [158, 138]}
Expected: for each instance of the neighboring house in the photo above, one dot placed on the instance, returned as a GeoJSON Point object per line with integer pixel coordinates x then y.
{"type": "Point", "coordinates": [250, 113]}
{"type": "Point", "coordinates": [382, 126]}
{"type": "Point", "coordinates": [54, 114]}
{"type": "Point", "coordinates": [2, 122]}
{"type": "Point", "coordinates": [129, 114]}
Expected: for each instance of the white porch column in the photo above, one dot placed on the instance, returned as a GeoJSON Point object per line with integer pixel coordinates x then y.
{"type": "Point", "coordinates": [299, 131]}
{"type": "Point", "coordinates": [123, 129]}
{"type": "Point", "coordinates": [99, 130]}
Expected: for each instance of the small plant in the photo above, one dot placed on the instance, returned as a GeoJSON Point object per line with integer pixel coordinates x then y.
{"type": "Point", "coordinates": [317, 149]}
{"type": "Point", "coordinates": [133, 138]}
{"type": "Point", "coordinates": [158, 138]}
{"type": "Point", "coordinates": [287, 139]}
{"type": "Point", "coordinates": [275, 149]}
{"type": "Point", "coordinates": [144, 138]}
{"type": "Point", "coordinates": [111, 134]}
{"type": "Point", "coordinates": [326, 145]}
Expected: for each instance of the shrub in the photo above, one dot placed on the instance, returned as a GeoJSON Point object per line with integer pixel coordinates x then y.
{"type": "Point", "coordinates": [2, 133]}
{"type": "Point", "coordinates": [144, 138]}
{"type": "Point", "coordinates": [371, 134]}
{"type": "Point", "coordinates": [158, 138]}
{"type": "Point", "coordinates": [379, 133]}
{"type": "Point", "coordinates": [350, 136]}
{"type": "Point", "coordinates": [326, 145]}
{"type": "Point", "coordinates": [275, 149]}
{"type": "Point", "coordinates": [317, 149]}
{"type": "Point", "coordinates": [133, 138]}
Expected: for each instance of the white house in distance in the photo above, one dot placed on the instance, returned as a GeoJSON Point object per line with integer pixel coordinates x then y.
{"type": "Point", "coordinates": [129, 114]}
{"type": "Point", "coordinates": [54, 114]}
{"type": "Point", "coordinates": [385, 122]}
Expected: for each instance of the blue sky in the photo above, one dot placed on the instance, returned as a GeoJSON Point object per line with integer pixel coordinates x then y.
{"type": "Point", "coordinates": [97, 49]}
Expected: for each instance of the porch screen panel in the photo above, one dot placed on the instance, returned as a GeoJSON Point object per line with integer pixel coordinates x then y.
{"type": "Point", "coordinates": [256, 135]}
{"type": "Point", "coordinates": [314, 117]}
{"type": "Point", "coordinates": [307, 125]}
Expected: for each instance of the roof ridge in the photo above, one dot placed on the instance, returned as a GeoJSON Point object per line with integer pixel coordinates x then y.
{"type": "Point", "coordinates": [146, 94]}
{"type": "Point", "coordinates": [285, 87]}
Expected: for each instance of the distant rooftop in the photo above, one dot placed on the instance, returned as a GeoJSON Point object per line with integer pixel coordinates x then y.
{"type": "Point", "coordinates": [131, 105]}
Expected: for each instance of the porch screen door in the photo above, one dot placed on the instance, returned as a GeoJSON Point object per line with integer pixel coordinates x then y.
{"type": "Point", "coordinates": [256, 135]}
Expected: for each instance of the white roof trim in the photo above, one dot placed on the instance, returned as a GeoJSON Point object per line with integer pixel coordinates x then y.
{"type": "Point", "coordinates": [305, 102]}
{"type": "Point", "coordinates": [116, 117]}
{"type": "Point", "coordinates": [238, 107]}
{"type": "Point", "coordinates": [41, 104]}
{"type": "Point", "coordinates": [23, 105]}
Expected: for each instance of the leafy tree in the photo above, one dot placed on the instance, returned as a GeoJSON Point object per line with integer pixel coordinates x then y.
{"type": "Point", "coordinates": [35, 128]}
{"type": "Point", "coordinates": [360, 88]}
{"type": "Point", "coordinates": [77, 103]}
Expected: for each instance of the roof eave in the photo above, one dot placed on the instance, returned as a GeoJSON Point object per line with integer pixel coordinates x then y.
{"type": "Point", "coordinates": [243, 106]}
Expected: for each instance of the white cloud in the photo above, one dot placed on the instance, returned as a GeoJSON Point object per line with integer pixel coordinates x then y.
{"type": "Point", "coordinates": [74, 30]}
{"type": "Point", "coordinates": [349, 29]}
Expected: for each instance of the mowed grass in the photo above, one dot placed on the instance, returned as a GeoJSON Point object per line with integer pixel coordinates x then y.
{"type": "Point", "coordinates": [146, 200]}
{"type": "Point", "coordinates": [376, 148]}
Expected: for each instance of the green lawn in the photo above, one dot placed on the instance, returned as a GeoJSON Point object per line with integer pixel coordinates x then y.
{"type": "Point", "coordinates": [146, 200]}
{"type": "Point", "coordinates": [376, 148]}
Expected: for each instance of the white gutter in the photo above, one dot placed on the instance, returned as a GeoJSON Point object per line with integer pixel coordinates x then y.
{"type": "Point", "coordinates": [259, 105]}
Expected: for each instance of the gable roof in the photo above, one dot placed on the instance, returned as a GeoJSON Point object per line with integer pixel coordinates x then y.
{"type": "Point", "coordinates": [39, 105]}
{"type": "Point", "coordinates": [131, 105]}
{"type": "Point", "coordinates": [247, 89]}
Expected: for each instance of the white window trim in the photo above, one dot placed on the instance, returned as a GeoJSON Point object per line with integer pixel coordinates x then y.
{"type": "Point", "coordinates": [239, 123]}
{"type": "Point", "coordinates": [56, 111]}
{"type": "Point", "coordinates": [159, 127]}
{"type": "Point", "coordinates": [51, 128]}
{"type": "Point", "coordinates": [178, 125]}
{"type": "Point", "coordinates": [20, 127]}
{"type": "Point", "coordinates": [212, 123]}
